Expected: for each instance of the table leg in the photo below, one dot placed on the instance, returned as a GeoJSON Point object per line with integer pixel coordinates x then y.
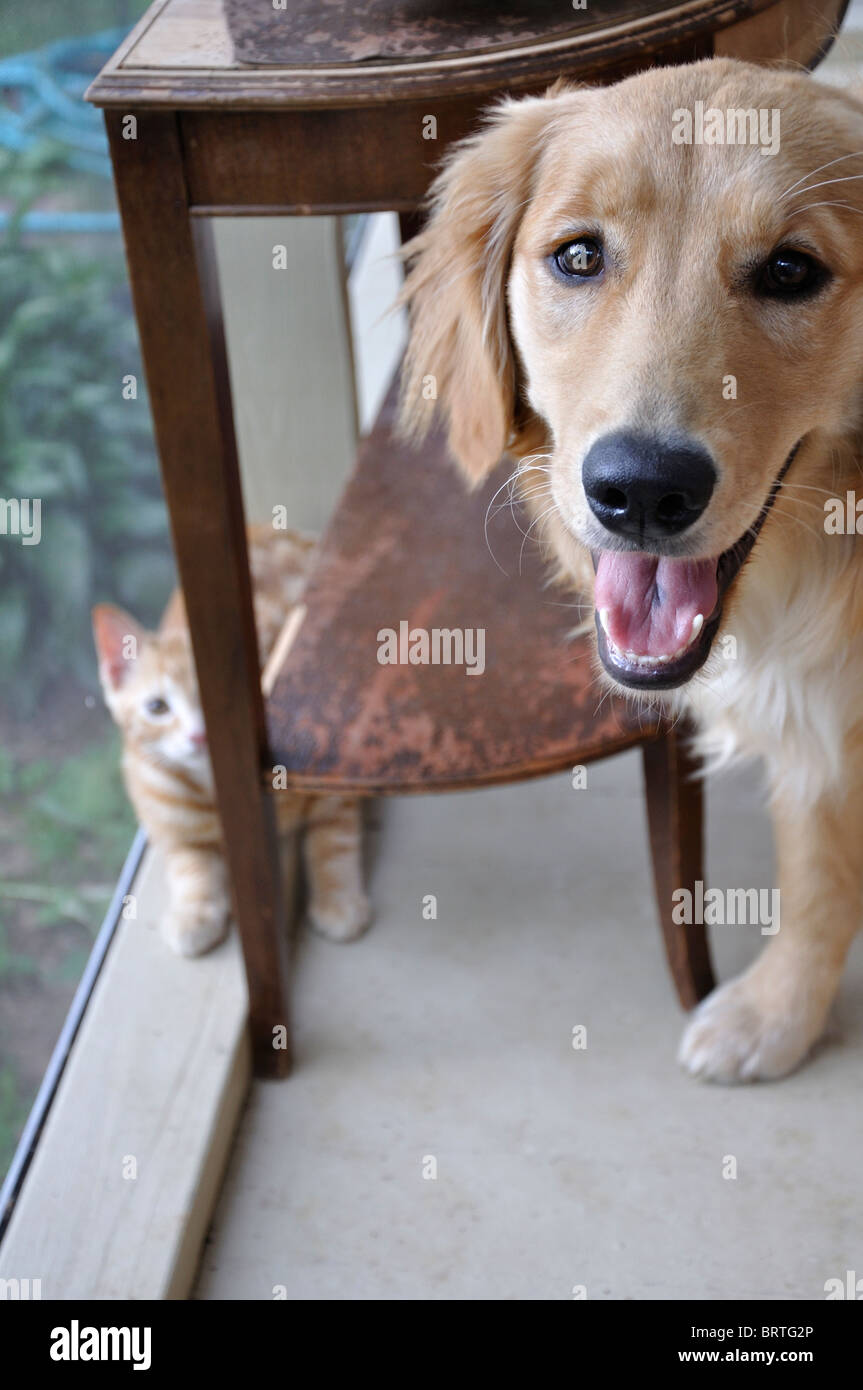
{"type": "Point", "coordinates": [674, 814]}
{"type": "Point", "coordinates": [175, 291]}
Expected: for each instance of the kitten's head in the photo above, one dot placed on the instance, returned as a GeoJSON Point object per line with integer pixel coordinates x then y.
{"type": "Point", "coordinates": [149, 683]}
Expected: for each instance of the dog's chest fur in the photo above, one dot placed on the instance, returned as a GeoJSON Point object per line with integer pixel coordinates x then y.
{"type": "Point", "coordinates": [786, 687]}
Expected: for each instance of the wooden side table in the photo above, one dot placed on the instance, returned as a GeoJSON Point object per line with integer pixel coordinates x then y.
{"type": "Point", "coordinates": [336, 125]}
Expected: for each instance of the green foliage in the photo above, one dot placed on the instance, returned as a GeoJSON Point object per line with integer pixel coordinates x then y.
{"type": "Point", "coordinates": [28, 175]}
{"type": "Point", "coordinates": [72, 828]}
{"type": "Point", "coordinates": [67, 339]}
{"type": "Point", "coordinates": [26, 26]}
{"type": "Point", "coordinates": [13, 1113]}
{"type": "Point", "coordinates": [71, 813]}
{"type": "Point", "coordinates": [67, 803]}
{"type": "Point", "coordinates": [14, 963]}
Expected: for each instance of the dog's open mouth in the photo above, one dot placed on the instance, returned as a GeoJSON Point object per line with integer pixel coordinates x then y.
{"type": "Point", "coordinates": [656, 618]}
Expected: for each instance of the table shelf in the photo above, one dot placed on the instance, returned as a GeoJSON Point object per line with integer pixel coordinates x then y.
{"type": "Point", "coordinates": [407, 545]}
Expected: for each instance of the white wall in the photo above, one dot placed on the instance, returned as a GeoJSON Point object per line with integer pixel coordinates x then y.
{"type": "Point", "coordinates": [297, 406]}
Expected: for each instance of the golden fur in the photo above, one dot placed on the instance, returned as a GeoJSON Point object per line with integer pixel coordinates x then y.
{"type": "Point", "coordinates": [521, 363]}
{"type": "Point", "coordinates": [167, 768]}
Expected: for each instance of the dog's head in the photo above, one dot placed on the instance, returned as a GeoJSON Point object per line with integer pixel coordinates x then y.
{"type": "Point", "coordinates": [658, 284]}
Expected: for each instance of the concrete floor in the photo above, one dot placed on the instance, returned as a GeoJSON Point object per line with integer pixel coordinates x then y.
{"type": "Point", "coordinates": [452, 1040]}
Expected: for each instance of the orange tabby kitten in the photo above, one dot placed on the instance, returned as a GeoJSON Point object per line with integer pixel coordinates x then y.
{"type": "Point", "coordinates": [149, 683]}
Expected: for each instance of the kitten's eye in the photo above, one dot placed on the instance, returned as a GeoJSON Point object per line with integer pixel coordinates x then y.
{"type": "Point", "coordinates": [157, 705]}
{"type": "Point", "coordinates": [580, 259]}
{"type": "Point", "coordinates": [790, 274]}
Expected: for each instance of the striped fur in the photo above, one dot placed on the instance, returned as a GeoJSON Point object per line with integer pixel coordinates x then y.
{"type": "Point", "coordinates": [149, 683]}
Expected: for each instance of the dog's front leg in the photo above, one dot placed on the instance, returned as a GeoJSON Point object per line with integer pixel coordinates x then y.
{"type": "Point", "coordinates": [761, 1025]}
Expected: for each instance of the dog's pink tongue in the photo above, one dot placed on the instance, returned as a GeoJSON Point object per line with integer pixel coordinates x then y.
{"type": "Point", "coordinates": [651, 601]}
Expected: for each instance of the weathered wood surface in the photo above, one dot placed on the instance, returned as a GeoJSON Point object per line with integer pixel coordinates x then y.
{"type": "Point", "coordinates": [407, 543]}
{"type": "Point", "coordinates": [182, 55]}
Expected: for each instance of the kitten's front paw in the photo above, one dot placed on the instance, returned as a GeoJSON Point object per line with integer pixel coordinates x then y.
{"type": "Point", "coordinates": [750, 1031]}
{"type": "Point", "coordinates": [193, 931]}
{"type": "Point", "coordinates": [341, 916]}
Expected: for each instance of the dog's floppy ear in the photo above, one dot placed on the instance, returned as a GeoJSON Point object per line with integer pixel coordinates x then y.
{"type": "Point", "coordinates": [460, 356]}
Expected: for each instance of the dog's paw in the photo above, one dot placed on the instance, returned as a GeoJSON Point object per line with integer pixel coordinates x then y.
{"type": "Point", "coordinates": [341, 916]}
{"type": "Point", "coordinates": [193, 931]}
{"type": "Point", "coordinates": [743, 1032]}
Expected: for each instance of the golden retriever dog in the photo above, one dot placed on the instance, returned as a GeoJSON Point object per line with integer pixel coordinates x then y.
{"type": "Point", "coordinates": [665, 332]}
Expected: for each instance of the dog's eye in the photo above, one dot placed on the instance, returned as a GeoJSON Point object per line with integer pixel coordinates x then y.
{"type": "Point", "coordinates": [581, 258]}
{"type": "Point", "coordinates": [790, 274]}
{"type": "Point", "coordinates": [157, 705]}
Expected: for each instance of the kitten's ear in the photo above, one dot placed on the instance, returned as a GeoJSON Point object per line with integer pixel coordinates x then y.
{"type": "Point", "coordinates": [118, 641]}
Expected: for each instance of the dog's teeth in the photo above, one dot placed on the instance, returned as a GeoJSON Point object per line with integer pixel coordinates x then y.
{"type": "Point", "coordinates": [663, 657]}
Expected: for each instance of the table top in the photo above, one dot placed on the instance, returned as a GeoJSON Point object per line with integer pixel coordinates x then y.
{"type": "Point", "coordinates": [185, 54]}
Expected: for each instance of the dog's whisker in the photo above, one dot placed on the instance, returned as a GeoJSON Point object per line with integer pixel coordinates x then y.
{"type": "Point", "coordinates": [806, 487]}
{"type": "Point", "coordinates": [555, 603]}
{"type": "Point", "coordinates": [540, 491]}
{"type": "Point", "coordinates": [849, 207]}
{"type": "Point", "coordinates": [541, 496]}
{"type": "Point", "coordinates": [532, 458]}
{"type": "Point", "coordinates": [789, 516]}
{"type": "Point", "coordinates": [856, 154]}
{"type": "Point", "coordinates": [486, 521]}
{"type": "Point", "coordinates": [535, 522]}
{"type": "Point", "coordinates": [826, 183]}
{"type": "Point", "coordinates": [504, 506]}
{"type": "Point", "coordinates": [806, 502]}
{"type": "Point", "coordinates": [538, 487]}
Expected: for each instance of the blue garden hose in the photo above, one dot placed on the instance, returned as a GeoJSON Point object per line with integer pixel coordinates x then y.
{"type": "Point", "coordinates": [41, 98]}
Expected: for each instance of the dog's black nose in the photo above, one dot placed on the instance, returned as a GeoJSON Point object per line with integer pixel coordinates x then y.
{"type": "Point", "coordinates": [645, 487]}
